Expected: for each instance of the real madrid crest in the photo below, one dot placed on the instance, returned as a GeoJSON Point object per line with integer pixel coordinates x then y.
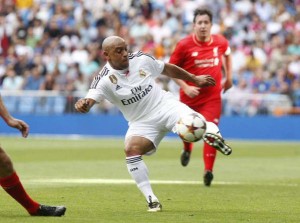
{"type": "Point", "coordinates": [142, 73]}
{"type": "Point", "coordinates": [113, 79]}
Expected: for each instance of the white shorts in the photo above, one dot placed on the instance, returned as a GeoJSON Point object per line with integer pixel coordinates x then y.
{"type": "Point", "coordinates": [159, 122]}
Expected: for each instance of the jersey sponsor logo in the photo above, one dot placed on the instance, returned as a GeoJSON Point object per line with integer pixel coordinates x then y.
{"type": "Point", "coordinates": [138, 93]}
{"type": "Point", "coordinates": [136, 90]}
{"type": "Point", "coordinates": [207, 62]}
{"type": "Point", "coordinates": [211, 62]}
{"type": "Point", "coordinates": [113, 79]}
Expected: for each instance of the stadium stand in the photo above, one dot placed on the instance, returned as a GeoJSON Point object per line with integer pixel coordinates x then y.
{"type": "Point", "coordinates": [55, 46]}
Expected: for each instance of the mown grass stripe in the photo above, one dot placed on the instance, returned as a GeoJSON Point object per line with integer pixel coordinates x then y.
{"type": "Point", "coordinates": [127, 181]}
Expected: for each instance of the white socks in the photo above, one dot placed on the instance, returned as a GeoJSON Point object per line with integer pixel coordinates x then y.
{"type": "Point", "coordinates": [139, 172]}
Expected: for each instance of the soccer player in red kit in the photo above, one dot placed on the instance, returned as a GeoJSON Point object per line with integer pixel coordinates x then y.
{"type": "Point", "coordinates": [203, 53]}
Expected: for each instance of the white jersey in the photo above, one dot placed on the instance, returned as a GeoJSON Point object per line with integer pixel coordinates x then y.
{"type": "Point", "coordinates": [134, 91]}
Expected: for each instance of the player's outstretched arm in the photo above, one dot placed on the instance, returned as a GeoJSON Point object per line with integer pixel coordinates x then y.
{"type": "Point", "coordinates": [13, 122]}
{"type": "Point", "coordinates": [189, 90]}
{"type": "Point", "coordinates": [84, 105]}
{"type": "Point", "coordinates": [174, 71]}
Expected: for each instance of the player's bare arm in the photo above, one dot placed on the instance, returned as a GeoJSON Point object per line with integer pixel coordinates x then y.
{"type": "Point", "coordinates": [84, 105]}
{"type": "Point", "coordinates": [13, 122]}
{"type": "Point", "coordinates": [174, 71]}
{"type": "Point", "coordinates": [191, 91]}
{"type": "Point", "coordinates": [227, 84]}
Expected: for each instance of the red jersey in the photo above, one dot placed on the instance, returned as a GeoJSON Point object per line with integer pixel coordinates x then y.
{"type": "Point", "coordinates": [201, 58]}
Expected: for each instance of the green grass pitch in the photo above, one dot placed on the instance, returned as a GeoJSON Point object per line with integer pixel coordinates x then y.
{"type": "Point", "coordinates": [258, 182]}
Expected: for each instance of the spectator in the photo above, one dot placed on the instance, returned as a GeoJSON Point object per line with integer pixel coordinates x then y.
{"type": "Point", "coordinates": [12, 81]}
{"type": "Point", "coordinates": [33, 28]}
{"type": "Point", "coordinates": [34, 79]}
{"type": "Point", "coordinates": [49, 83]}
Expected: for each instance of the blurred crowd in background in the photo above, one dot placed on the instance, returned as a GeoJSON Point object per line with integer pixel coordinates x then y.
{"type": "Point", "coordinates": [55, 45]}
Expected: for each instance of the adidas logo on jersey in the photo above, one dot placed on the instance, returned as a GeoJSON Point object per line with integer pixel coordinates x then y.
{"type": "Point", "coordinates": [118, 87]}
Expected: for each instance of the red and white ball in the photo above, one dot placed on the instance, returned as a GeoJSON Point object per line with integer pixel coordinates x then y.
{"type": "Point", "coordinates": [191, 127]}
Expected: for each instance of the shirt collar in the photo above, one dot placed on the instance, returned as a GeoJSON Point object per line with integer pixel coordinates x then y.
{"type": "Point", "coordinates": [199, 43]}
{"type": "Point", "coordinates": [120, 72]}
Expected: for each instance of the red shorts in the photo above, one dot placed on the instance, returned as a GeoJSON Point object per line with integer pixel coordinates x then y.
{"type": "Point", "coordinates": [211, 110]}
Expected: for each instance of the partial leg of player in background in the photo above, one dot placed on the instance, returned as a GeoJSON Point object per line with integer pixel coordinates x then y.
{"type": "Point", "coordinates": [10, 182]}
{"type": "Point", "coordinates": [212, 112]}
{"type": "Point", "coordinates": [209, 156]}
{"type": "Point", "coordinates": [186, 153]}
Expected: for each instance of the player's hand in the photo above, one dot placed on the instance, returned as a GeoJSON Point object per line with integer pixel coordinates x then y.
{"type": "Point", "coordinates": [191, 91]}
{"type": "Point", "coordinates": [20, 125]}
{"type": "Point", "coordinates": [205, 81]}
{"type": "Point", "coordinates": [227, 84]}
{"type": "Point", "coordinates": [82, 105]}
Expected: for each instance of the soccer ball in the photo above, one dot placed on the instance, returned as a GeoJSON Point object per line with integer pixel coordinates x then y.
{"type": "Point", "coordinates": [191, 127]}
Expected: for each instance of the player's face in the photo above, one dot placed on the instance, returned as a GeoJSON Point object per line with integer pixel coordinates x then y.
{"type": "Point", "coordinates": [202, 27]}
{"type": "Point", "coordinates": [118, 56]}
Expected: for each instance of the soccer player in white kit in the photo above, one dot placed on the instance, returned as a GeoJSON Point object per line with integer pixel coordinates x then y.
{"type": "Point", "coordinates": [128, 81]}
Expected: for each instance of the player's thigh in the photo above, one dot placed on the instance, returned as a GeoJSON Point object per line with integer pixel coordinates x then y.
{"type": "Point", "coordinates": [149, 130]}
{"type": "Point", "coordinates": [137, 145]}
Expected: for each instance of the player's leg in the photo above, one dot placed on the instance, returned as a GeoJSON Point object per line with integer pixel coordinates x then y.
{"type": "Point", "coordinates": [178, 110]}
{"type": "Point", "coordinates": [10, 182]}
{"type": "Point", "coordinates": [186, 153]}
{"type": "Point", "coordinates": [135, 147]}
{"type": "Point", "coordinates": [213, 142]}
{"type": "Point", "coordinates": [214, 138]}
{"type": "Point", "coordinates": [211, 110]}
{"type": "Point", "coordinates": [209, 156]}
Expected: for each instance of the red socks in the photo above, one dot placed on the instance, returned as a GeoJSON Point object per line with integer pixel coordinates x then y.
{"type": "Point", "coordinates": [188, 146]}
{"type": "Point", "coordinates": [15, 189]}
{"type": "Point", "coordinates": [209, 156]}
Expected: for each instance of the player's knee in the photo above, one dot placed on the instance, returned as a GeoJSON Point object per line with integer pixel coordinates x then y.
{"type": "Point", "coordinates": [132, 150]}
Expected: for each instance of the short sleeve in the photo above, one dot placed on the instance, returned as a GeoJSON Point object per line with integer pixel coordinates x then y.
{"type": "Point", "coordinates": [177, 55]}
{"type": "Point", "coordinates": [155, 66]}
{"type": "Point", "coordinates": [225, 45]}
{"type": "Point", "coordinates": [95, 94]}
{"type": "Point", "coordinates": [228, 51]}
{"type": "Point", "coordinates": [160, 65]}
